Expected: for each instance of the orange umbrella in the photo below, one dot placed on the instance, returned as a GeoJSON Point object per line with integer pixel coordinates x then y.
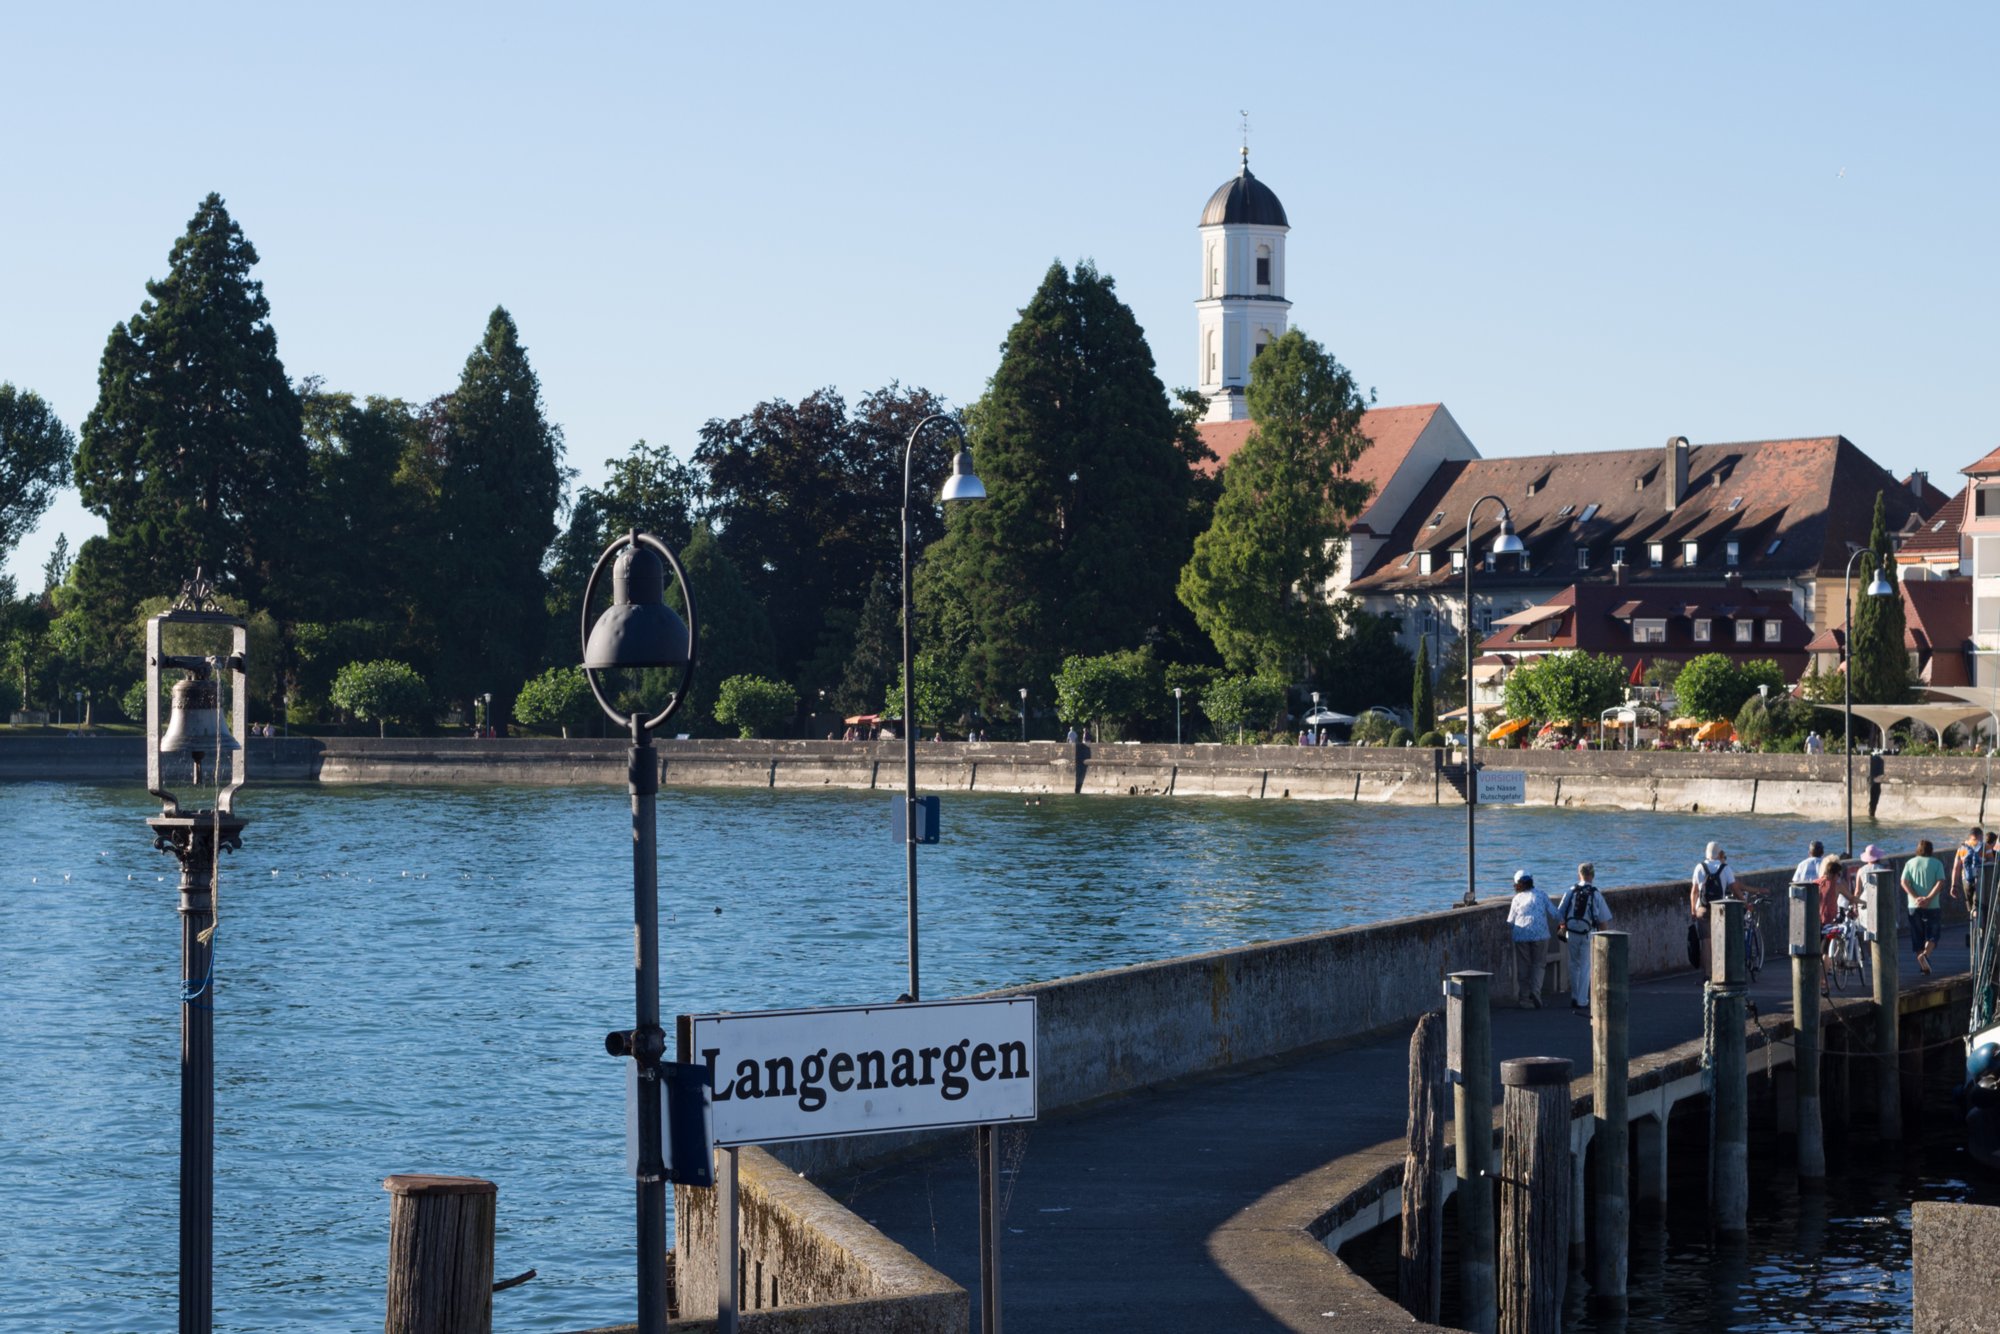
{"type": "Point", "coordinates": [1719, 730]}
{"type": "Point", "coordinates": [1507, 729]}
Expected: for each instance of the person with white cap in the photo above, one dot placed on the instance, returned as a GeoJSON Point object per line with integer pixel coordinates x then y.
{"type": "Point", "coordinates": [1713, 881]}
{"type": "Point", "coordinates": [1531, 915]}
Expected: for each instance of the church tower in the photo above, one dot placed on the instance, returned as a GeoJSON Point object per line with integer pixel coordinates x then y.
{"type": "Point", "coordinates": [1242, 306]}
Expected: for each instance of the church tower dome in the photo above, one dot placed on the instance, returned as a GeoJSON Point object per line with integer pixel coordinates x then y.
{"type": "Point", "coordinates": [1242, 306]}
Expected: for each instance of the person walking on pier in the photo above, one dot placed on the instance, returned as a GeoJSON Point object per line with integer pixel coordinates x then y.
{"type": "Point", "coordinates": [1923, 882]}
{"type": "Point", "coordinates": [1713, 881]}
{"type": "Point", "coordinates": [1582, 911]}
{"type": "Point", "coordinates": [1530, 915]}
{"type": "Point", "coordinates": [1808, 870]}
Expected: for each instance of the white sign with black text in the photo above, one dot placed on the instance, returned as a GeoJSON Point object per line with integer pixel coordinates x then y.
{"type": "Point", "coordinates": [1502, 787]}
{"type": "Point", "coordinates": [867, 1069]}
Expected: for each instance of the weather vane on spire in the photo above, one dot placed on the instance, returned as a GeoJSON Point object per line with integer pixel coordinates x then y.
{"type": "Point", "coordinates": [1246, 139]}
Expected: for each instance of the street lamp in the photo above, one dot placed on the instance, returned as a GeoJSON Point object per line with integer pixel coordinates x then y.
{"type": "Point", "coordinates": [197, 838]}
{"type": "Point", "coordinates": [636, 632]}
{"type": "Point", "coordinates": [1177, 715]}
{"type": "Point", "coordinates": [1024, 713]}
{"type": "Point", "coordinates": [1314, 719]}
{"type": "Point", "coordinates": [1506, 544]}
{"type": "Point", "coordinates": [962, 484]}
{"type": "Point", "coordinates": [1878, 587]}
{"type": "Point", "coordinates": [486, 714]}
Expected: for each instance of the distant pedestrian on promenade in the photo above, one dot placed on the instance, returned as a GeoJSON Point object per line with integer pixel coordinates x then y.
{"type": "Point", "coordinates": [1582, 910]}
{"type": "Point", "coordinates": [1531, 916]}
{"type": "Point", "coordinates": [1808, 870]}
{"type": "Point", "coordinates": [1923, 883]}
{"type": "Point", "coordinates": [1072, 736]}
{"type": "Point", "coordinates": [1815, 744]}
{"type": "Point", "coordinates": [1713, 881]}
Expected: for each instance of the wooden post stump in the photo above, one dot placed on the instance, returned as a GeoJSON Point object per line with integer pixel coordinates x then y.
{"type": "Point", "coordinates": [1880, 897]}
{"type": "Point", "coordinates": [1805, 948]}
{"type": "Point", "coordinates": [1610, 1073]}
{"type": "Point", "coordinates": [440, 1254]}
{"type": "Point", "coordinates": [1535, 1176]}
{"type": "Point", "coordinates": [1469, 1036]}
{"type": "Point", "coordinates": [1729, 1073]}
{"type": "Point", "coordinates": [1419, 1272]}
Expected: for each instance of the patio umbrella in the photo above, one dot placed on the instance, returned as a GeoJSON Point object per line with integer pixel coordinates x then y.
{"type": "Point", "coordinates": [1684, 724]}
{"type": "Point", "coordinates": [1328, 718]}
{"type": "Point", "coordinates": [1507, 729]}
{"type": "Point", "coordinates": [1719, 730]}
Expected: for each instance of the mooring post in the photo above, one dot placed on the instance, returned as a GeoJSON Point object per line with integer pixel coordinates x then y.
{"type": "Point", "coordinates": [1419, 1268]}
{"type": "Point", "coordinates": [1534, 1193]}
{"type": "Point", "coordinates": [1729, 1078]}
{"type": "Point", "coordinates": [440, 1254]}
{"type": "Point", "coordinates": [1610, 1061]}
{"type": "Point", "coordinates": [1882, 891]}
{"type": "Point", "coordinates": [1469, 1037]}
{"type": "Point", "coordinates": [1805, 947]}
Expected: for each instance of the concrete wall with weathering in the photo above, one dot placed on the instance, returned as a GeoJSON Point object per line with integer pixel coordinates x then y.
{"type": "Point", "coordinates": [1957, 1289]}
{"type": "Point", "coordinates": [1953, 789]}
{"type": "Point", "coordinates": [809, 1264]}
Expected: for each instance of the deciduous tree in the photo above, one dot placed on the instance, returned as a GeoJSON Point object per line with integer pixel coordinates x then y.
{"type": "Point", "coordinates": [755, 705]}
{"type": "Point", "coordinates": [381, 692]}
{"type": "Point", "coordinates": [35, 450]}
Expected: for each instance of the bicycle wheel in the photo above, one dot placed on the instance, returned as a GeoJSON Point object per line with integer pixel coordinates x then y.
{"type": "Point", "coordinates": [1753, 949]}
{"type": "Point", "coordinates": [1834, 964]}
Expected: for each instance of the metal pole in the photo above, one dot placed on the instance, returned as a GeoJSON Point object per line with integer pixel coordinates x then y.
{"type": "Point", "coordinates": [1729, 1083]}
{"type": "Point", "coordinates": [989, 1229]}
{"type": "Point", "coordinates": [909, 743]}
{"type": "Point", "coordinates": [1024, 714]}
{"type": "Point", "coordinates": [197, 1187]}
{"type": "Point", "coordinates": [1177, 715]}
{"type": "Point", "coordinates": [648, 1041]}
{"type": "Point", "coordinates": [1469, 1047]}
{"type": "Point", "coordinates": [1610, 1060]}
{"type": "Point", "coordinates": [728, 1249]}
{"type": "Point", "coordinates": [1804, 947]}
{"type": "Point", "coordinates": [1471, 780]}
{"type": "Point", "coordinates": [1847, 706]}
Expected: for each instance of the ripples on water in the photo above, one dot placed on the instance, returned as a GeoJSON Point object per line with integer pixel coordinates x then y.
{"type": "Point", "coordinates": [420, 980]}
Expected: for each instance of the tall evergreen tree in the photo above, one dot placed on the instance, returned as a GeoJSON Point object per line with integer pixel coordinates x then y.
{"type": "Point", "coordinates": [499, 479]}
{"type": "Point", "coordinates": [733, 633]}
{"type": "Point", "coordinates": [877, 658]}
{"type": "Point", "coordinates": [1076, 548]}
{"type": "Point", "coordinates": [1257, 577]}
{"type": "Point", "coordinates": [193, 454]}
{"type": "Point", "coordinates": [647, 491]}
{"type": "Point", "coordinates": [1876, 654]}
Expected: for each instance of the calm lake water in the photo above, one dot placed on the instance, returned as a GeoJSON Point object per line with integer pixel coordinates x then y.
{"type": "Point", "coordinates": [420, 980]}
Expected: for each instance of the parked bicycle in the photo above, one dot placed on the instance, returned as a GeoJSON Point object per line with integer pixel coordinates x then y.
{"type": "Point", "coordinates": [1846, 951]}
{"type": "Point", "coordinates": [1753, 934]}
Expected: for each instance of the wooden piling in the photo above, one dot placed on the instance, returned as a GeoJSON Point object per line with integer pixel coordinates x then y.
{"type": "Point", "coordinates": [1610, 1072]}
{"type": "Point", "coordinates": [1534, 1193]}
{"type": "Point", "coordinates": [1805, 948]}
{"type": "Point", "coordinates": [1882, 892]}
{"type": "Point", "coordinates": [1729, 1078]}
{"type": "Point", "coordinates": [1419, 1272]}
{"type": "Point", "coordinates": [440, 1254]}
{"type": "Point", "coordinates": [1469, 1036]}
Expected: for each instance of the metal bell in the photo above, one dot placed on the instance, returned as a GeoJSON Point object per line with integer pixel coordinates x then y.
{"type": "Point", "coordinates": [196, 726]}
{"type": "Point", "coordinates": [639, 629]}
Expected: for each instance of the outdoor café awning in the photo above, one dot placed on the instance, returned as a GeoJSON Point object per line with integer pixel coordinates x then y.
{"type": "Point", "coordinates": [863, 720]}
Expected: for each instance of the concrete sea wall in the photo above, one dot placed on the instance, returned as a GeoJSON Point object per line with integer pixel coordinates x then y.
{"type": "Point", "coordinates": [1954, 789]}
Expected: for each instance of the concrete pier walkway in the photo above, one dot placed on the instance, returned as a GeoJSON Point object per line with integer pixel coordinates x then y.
{"type": "Point", "coordinates": [1110, 1210]}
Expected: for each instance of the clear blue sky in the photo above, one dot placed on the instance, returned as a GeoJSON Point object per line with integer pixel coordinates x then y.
{"type": "Point", "coordinates": [1581, 227]}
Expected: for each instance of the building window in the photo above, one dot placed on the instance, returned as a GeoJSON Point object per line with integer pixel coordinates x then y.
{"type": "Point", "coordinates": [1490, 563]}
{"type": "Point", "coordinates": [1732, 552]}
{"type": "Point", "coordinates": [1618, 555]}
{"type": "Point", "coordinates": [1746, 632]}
{"type": "Point", "coordinates": [1457, 561]}
{"type": "Point", "coordinates": [1583, 558]}
{"type": "Point", "coordinates": [1263, 266]}
{"type": "Point", "coordinates": [1589, 513]}
{"type": "Point", "coordinates": [1423, 562]}
{"type": "Point", "coordinates": [1263, 341]}
{"type": "Point", "coordinates": [1773, 631]}
{"type": "Point", "coordinates": [1524, 558]}
{"type": "Point", "coordinates": [1772, 550]}
{"type": "Point", "coordinates": [1704, 631]}
{"type": "Point", "coordinates": [1986, 500]}
{"type": "Point", "coordinates": [1656, 554]}
{"type": "Point", "coordinates": [1649, 632]}
{"type": "Point", "coordinates": [1214, 362]}
{"type": "Point", "coordinates": [1690, 552]}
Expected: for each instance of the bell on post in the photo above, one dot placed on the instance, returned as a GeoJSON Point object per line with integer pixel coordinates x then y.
{"type": "Point", "coordinates": [639, 629]}
{"type": "Point", "coordinates": [195, 726]}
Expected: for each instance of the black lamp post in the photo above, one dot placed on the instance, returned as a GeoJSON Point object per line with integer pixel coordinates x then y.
{"type": "Point", "coordinates": [1024, 713]}
{"type": "Point", "coordinates": [640, 631]}
{"type": "Point", "coordinates": [1506, 544]}
{"type": "Point", "coordinates": [963, 484]}
{"type": "Point", "coordinates": [1177, 715]}
{"type": "Point", "coordinates": [197, 729]}
{"type": "Point", "coordinates": [1878, 587]}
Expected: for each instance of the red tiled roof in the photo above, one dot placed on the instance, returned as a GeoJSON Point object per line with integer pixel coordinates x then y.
{"type": "Point", "coordinates": [1391, 433]}
{"type": "Point", "coordinates": [1811, 497]}
{"type": "Point", "coordinates": [1985, 467]}
{"type": "Point", "coordinates": [1604, 614]}
{"type": "Point", "coordinates": [1938, 534]}
{"type": "Point", "coordinates": [1937, 623]}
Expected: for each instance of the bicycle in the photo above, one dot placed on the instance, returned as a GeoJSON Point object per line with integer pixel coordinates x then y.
{"type": "Point", "coordinates": [1753, 934]}
{"type": "Point", "coordinates": [1846, 951]}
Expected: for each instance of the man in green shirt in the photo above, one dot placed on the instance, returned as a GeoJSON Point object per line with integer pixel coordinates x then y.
{"type": "Point", "coordinates": [1923, 881]}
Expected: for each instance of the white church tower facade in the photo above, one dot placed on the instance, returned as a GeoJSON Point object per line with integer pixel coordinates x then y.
{"type": "Point", "coordinates": [1242, 306]}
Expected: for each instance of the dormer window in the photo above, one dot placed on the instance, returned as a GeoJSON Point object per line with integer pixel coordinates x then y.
{"type": "Point", "coordinates": [1704, 630]}
{"type": "Point", "coordinates": [1524, 560]}
{"type": "Point", "coordinates": [1490, 562]}
{"type": "Point", "coordinates": [1618, 555]}
{"type": "Point", "coordinates": [1774, 631]}
{"type": "Point", "coordinates": [1423, 562]}
{"type": "Point", "coordinates": [1457, 561]}
{"type": "Point", "coordinates": [1732, 552]}
{"type": "Point", "coordinates": [1656, 554]}
{"type": "Point", "coordinates": [1690, 552]}
{"type": "Point", "coordinates": [1583, 558]}
{"type": "Point", "coordinates": [1746, 631]}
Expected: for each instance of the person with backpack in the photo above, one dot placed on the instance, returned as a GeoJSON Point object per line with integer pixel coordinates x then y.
{"type": "Point", "coordinates": [1582, 910]}
{"type": "Point", "coordinates": [1713, 881]}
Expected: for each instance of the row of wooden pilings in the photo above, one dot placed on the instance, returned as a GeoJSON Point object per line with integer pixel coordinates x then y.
{"type": "Point", "coordinates": [1514, 1259]}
